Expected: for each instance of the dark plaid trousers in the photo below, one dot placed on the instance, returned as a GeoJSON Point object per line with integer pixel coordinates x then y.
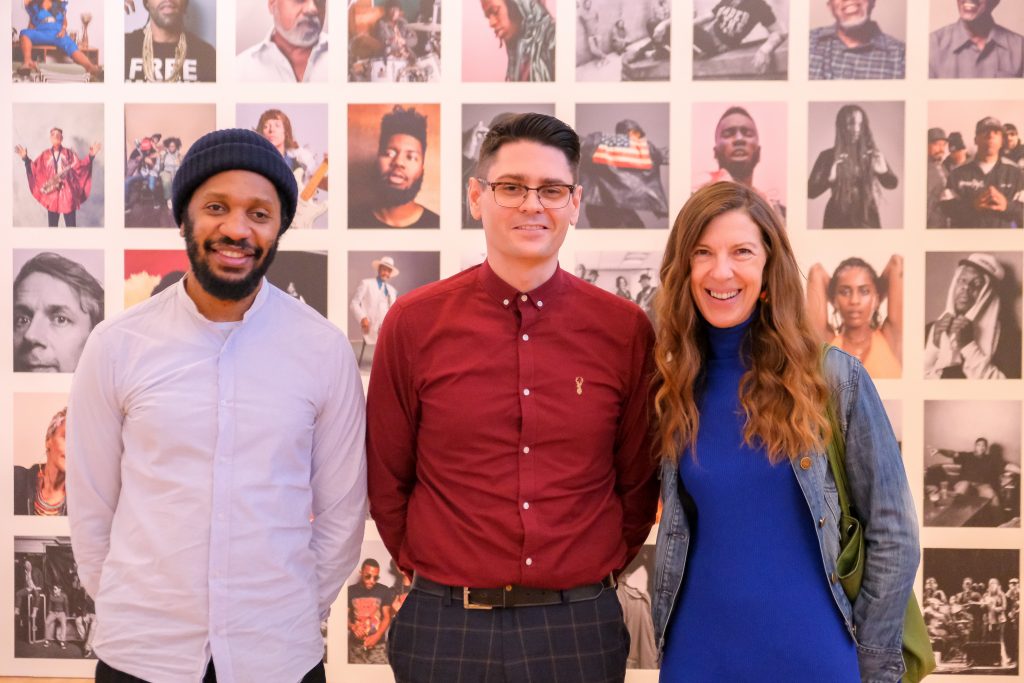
{"type": "Point", "coordinates": [108, 674]}
{"type": "Point", "coordinates": [433, 639]}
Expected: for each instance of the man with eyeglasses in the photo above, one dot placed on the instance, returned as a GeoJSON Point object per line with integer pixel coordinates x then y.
{"type": "Point", "coordinates": [510, 464]}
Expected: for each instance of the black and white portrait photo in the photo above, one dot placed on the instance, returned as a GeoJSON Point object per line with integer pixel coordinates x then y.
{"type": "Point", "coordinates": [740, 39]}
{"type": "Point", "coordinates": [634, 590]}
{"type": "Point", "coordinates": [58, 300]}
{"type": "Point", "coordinates": [857, 39]}
{"type": "Point", "coordinates": [973, 314]}
{"type": "Point", "coordinates": [972, 463]}
{"type": "Point", "coordinates": [624, 165]}
{"type": "Point", "coordinates": [623, 40]}
{"type": "Point", "coordinates": [632, 275]}
{"type": "Point", "coordinates": [856, 165]}
{"type": "Point", "coordinates": [477, 120]}
{"type": "Point", "coordinates": [976, 39]}
{"type": "Point", "coordinates": [971, 606]}
{"type": "Point", "coordinates": [54, 618]}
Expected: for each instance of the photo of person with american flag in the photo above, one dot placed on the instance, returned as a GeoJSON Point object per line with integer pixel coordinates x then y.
{"type": "Point", "coordinates": [624, 165]}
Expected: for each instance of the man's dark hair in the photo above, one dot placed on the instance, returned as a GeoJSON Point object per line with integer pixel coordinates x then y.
{"type": "Point", "coordinates": [533, 127]}
{"type": "Point", "coordinates": [981, 439]}
{"type": "Point", "coordinates": [402, 121]}
{"type": "Point", "coordinates": [733, 110]}
{"type": "Point", "coordinates": [1009, 128]}
{"type": "Point", "coordinates": [370, 562]}
{"type": "Point", "coordinates": [71, 273]}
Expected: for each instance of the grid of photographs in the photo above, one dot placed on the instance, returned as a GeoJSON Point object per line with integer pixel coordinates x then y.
{"type": "Point", "coordinates": [888, 136]}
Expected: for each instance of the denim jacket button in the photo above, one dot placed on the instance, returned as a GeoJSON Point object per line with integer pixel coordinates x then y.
{"type": "Point", "coordinates": [833, 578]}
{"type": "Point", "coordinates": [821, 521]}
{"type": "Point", "coordinates": [805, 462]}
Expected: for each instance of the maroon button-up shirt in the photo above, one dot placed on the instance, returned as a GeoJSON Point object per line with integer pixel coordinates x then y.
{"type": "Point", "coordinates": [508, 433]}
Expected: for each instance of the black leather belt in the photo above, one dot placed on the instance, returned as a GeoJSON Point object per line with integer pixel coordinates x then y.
{"type": "Point", "coordinates": [511, 595]}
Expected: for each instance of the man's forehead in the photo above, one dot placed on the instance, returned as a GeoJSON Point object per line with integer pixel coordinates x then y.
{"type": "Point", "coordinates": [734, 120]}
{"type": "Point", "coordinates": [530, 162]}
{"type": "Point", "coordinates": [404, 141]}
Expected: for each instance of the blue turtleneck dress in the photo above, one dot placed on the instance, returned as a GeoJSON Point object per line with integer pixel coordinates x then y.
{"type": "Point", "coordinates": [755, 604]}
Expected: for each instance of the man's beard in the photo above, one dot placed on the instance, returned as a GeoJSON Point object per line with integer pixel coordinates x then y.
{"type": "Point", "coordinates": [389, 196]}
{"type": "Point", "coordinates": [302, 34]}
{"type": "Point", "coordinates": [219, 288]}
{"type": "Point", "coordinates": [175, 23]}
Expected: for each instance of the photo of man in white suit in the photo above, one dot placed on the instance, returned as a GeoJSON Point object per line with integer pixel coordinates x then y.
{"type": "Point", "coordinates": [374, 297]}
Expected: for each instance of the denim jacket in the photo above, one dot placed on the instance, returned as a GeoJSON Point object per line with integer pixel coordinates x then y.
{"type": "Point", "coordinates": [881, 499]}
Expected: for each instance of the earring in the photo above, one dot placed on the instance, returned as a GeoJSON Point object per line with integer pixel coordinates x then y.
{"type": "Point", "coordinates": [763, 296]}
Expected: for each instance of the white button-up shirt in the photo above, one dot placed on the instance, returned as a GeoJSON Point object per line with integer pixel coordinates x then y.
{"type": "Point", "coordinates": [264, 62]}
{"type": "Point", "coordinates": [198, 452]}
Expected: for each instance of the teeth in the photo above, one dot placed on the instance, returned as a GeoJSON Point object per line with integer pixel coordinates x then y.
{"type": "Point", "coordinates": [723, 296]}
{"type": "Point", "coordinates": [232, 254]}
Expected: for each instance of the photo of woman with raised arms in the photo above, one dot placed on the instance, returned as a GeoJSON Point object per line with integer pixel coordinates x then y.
{"type": "Point", "coordinates": [750, 504]}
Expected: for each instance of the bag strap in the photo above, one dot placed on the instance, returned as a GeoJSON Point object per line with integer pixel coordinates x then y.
{"type": "Point", "coordinates": [835, 449]}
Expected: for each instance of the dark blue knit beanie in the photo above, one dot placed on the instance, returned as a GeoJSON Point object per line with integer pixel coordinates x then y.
{"type": "Point", "coordinates": [233, 149]}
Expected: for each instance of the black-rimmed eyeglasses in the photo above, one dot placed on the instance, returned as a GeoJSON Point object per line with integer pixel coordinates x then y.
{"type": "Point", "coordinates": [512, 195]}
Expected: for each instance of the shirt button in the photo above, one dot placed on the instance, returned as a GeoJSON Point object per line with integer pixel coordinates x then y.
{"type": "Point", "coordinates": [505, 302]}
{"type": "Point", "coordinates": [526, 506]}
{"type": "Point", "coordinates": [529, 561]}
{"type": "Point", "coordinates": [523, 297]}
{"type": "Point", "coordinates": [805, 462]}
{"type": "Point", "coordinates": [508, 587]}
{"type": "Point", "coordinates": [526, 392]}
{"type": "Point", "coordinates": [526, 337]}
{"type": "Point", "coordinates": [526, 449]}
{"type": "Point", "coordinates": [540, 304]}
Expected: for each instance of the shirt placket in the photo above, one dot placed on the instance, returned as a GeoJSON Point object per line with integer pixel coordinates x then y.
{"type": "Point", "coordinates": [220, 522]}
{"type": "Point", "coordinates": [528, 312]}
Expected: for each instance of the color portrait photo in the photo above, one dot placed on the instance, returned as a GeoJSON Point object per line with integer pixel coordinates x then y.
{"type": "Point", "coordinates": [375, 281]}
{"type": "Point", "coordinates": [855, 303]}
{"type": "Point", "coordinates": [58, 41]}
{"type": "Point", "coordinates": [742, 142]}
{"type": "Point", "coordinates": [508, 40]}
{"type": "Point", "coordinates": [394, 166]}
{"type": "Point", "coordinates": [281, 41]}
{"type": "Point", "coordinates": [58, 165]}
{"type": "Point", "coordinates": [151, 271]}
{"type": "Point", "coordinates": [299, 132]}
{"type": "Point", "coordinates": [39, 455]}
{"type": "Point", "coordinates": [395, 41]}
{"type": "Point", "coordinates": [156, 139]}
{"type": "Point", "coordinates": [170, 41]}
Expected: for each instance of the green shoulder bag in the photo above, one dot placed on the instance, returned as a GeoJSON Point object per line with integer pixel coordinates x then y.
{"type": "Point", "coordinates": [917, 647]}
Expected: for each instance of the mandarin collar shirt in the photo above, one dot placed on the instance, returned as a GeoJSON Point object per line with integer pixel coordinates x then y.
{"type": "Point", "coordinates": [508, 432]}
{"type": "Point", "coordinates": [952, 54]}
{"type": "Point", "coordinates": [265, 63]}
{"type": "Point", "coordinates": [216, 486]}
{"type": "Point", "coordinates": [882, 56]}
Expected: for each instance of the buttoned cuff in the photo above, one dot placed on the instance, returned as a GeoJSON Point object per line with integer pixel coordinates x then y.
{"type": "Point", "coordinates": [880, 665]}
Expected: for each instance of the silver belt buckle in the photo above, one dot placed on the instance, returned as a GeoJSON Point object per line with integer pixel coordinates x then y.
{"type": "Point", "coordinates": [467, 604]}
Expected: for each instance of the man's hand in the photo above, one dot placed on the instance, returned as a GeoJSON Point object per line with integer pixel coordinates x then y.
{"type": "Point", "coordinates": [371, 641]}
{"type": "Point", "coordinates": [762, 58]}
{"type": "Point", "coordinates": [941, 327]}
{"type": "Point", "coordinates": [21, 152]}
{"type": "Point", "coordinates": [995, 200]}
{"type": "Point", "coordinates": [878, 164]}
{"type": "Point", "coordinates": [94, 149]}
{"type": "Point", "coordinates": [358, 629]}
{"type": "Point", "coordinates": [365, 325]}
{"type": "Point", "coordinates": [962, 331]}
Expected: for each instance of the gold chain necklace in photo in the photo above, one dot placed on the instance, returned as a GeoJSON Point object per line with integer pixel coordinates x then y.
{"type": "Point", "coordinates": [147, 56]}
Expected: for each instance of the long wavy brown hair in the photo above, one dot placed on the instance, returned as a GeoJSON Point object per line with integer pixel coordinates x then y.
{"type": "Point", "coordinates": [783, 392]}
